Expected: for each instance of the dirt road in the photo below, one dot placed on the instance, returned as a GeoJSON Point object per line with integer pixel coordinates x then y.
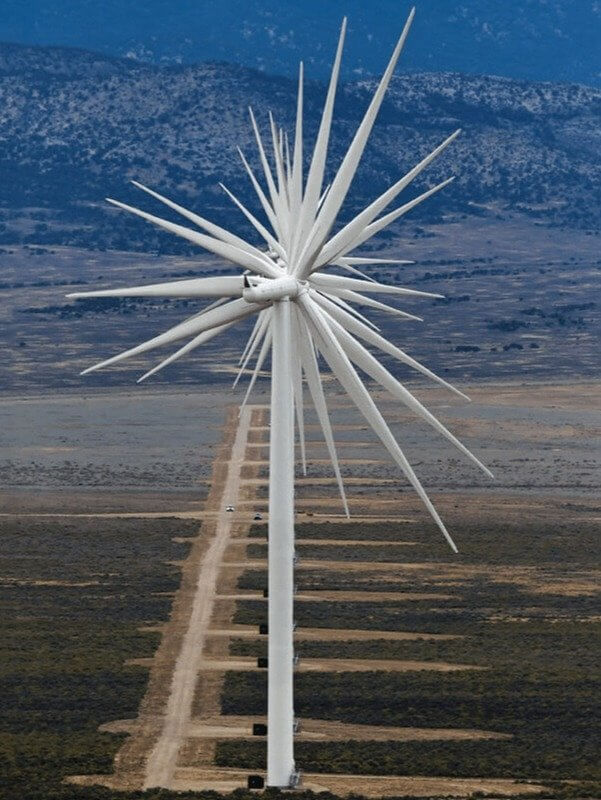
{"type": "Point", "coordinates": [162, 761]}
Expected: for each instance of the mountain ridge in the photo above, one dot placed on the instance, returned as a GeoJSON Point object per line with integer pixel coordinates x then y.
{"type": "Point", "coordinates": [76, 125]}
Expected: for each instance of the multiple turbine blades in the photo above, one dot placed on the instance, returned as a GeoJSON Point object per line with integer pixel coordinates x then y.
{"type": "Point", "coordinates": [297, 246]}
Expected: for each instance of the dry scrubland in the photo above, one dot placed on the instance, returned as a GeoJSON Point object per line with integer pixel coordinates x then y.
{"type": "Point", "coordinates": [421, 673]}
{"type": "Point", "coordinates": [520, 299]}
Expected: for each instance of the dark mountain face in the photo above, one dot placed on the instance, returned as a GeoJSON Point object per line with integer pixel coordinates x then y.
{"type": "Point", "coordinates": [556, 40]}
{"type": "Point", "coordinates": [75, 127]}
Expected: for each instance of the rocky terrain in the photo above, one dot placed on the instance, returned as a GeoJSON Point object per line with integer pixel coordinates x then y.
{"type": "Point", "coordinates": [76, 126]}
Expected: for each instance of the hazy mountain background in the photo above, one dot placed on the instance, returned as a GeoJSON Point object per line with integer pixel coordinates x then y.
{"type": "Point", "coordinates": [555, 40]}
{"type": "Point", "coordinates": [516, 254]}
{"type": "Point", "coordinates": [77, 126]}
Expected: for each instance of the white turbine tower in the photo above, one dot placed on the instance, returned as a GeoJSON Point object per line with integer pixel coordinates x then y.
{"type": "Point", "coordinates": [302, 312]}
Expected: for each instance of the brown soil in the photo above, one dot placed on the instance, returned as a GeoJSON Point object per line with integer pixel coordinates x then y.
{"type": "Point", "coordinates": [240, 664]}
{"type": "Point", "coordinates": [235, 727]}
{"type": "Point", "coordinates": [334, 634]}
{"type": "Point", "coordinates": [34, 582]}
{"type": "Point", "coordinates": [225, 781]}
{"type": "Point", "coordinates": [337, 542]}
{"type": "Point", "coordinates": [343, 596]}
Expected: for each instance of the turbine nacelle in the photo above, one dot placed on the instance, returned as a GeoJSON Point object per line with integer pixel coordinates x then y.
{"type": "Point", "coordinates": [257, 290]}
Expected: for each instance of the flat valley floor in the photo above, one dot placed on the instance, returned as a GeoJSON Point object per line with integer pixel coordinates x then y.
{"type": "Point", "coordinates": [132, 598]}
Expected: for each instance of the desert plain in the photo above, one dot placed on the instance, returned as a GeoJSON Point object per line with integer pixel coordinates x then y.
{"type": "Point", "coordinates": [132, 601]}
{"type": "Point", "coordinates": [421, 673]}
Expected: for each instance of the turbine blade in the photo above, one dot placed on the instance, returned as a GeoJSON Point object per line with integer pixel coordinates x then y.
{"type": "Point", "coordinates": [214, 230]}
{"type": "Point", "coordinates": [264, 317]}
{"type": "Point", "coordinates": [258, 226]}
{"type": "Point", "coordinates": [335, 297]}
{"type": "Point", "coordinates": [324, 194]}
{"type": "Point", "coordinates": [252, 336]}
{"type": "Point", "coordinates": [346, 171]}
{"type": "Point", "coordinates": [370, 365]}
{"type": "Point", "coordinates": [388, 219]}
{"type": "Point", "coordinates": [288, 163]}
{"type": "Point", "coordinates": [350, 381]}
{"type": "Point", "coordinates": [355, 297]}
{"type": "Point", "coordinates": [371, 337]}
{"type": "Point", "coordinates": [297, 387]}
{"type": "Point", "coordinates": [232, 312]}
{"type": "Point", "coordinates": [273, 192]}
{"type": "Point", "coordinates": [341, 240]}
{"type": "Point", "coordinates": [250, 257]}
{"type": "Point", "coordinates": [325, 282]}
{"type": "Point", "coordinates": [260, 360]}
{"type": "Point", "coordinates": [267, 208]}
{"type": "Point", "coordinates": [311, 370]}
{"type": "Point", "coordinates": [296, 184]}
{"type": "Point", "coordinates": [197, 341]}
{"type": "Point", "coordinates": [318, 160]}
{"type": "Point", "coordinates": [215, 304]}
{"type": "Point", "coordinates": [223, 286]}
{"type": "Point", "coordinates": [353, 270]}
{"type": "Point", "coordinates": [371, 260]}
{"type": "Point", "coordinates": [279, 164]}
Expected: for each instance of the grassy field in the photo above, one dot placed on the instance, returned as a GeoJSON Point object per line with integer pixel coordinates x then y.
{"type": "Point", "coordinates": [524, 605]}
{"type": "Point", "coordinates": [73, 596]}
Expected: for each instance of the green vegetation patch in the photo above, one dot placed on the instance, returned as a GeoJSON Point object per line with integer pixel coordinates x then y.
{"type": "Point", "coordinates": [569, 649]}
{"type": "Point", "coordinates": [520, 758]}
{"type": "Point", "coordinates": [554, 724]}
{"type": "Point", "coordinates": [490, 541]}
{"type": "Point", "coordinates": [541, 653]}
{"type": "Point", "coordinates": [73, 593]}
{"type": "Point", "coordinates": [356, 552]}
{"type": "Point", "coordinates": [384, 531]}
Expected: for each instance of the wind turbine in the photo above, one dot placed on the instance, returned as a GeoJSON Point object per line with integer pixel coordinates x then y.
{"type": "Point", "coordinates": [302, 312]}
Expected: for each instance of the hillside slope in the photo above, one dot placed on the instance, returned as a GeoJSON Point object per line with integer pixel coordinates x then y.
{"type": "Point", "coordinates": [75, 126]}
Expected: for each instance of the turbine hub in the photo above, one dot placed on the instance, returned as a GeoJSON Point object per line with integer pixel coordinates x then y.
{"type": "Point", "coordinates": [270, 289]}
